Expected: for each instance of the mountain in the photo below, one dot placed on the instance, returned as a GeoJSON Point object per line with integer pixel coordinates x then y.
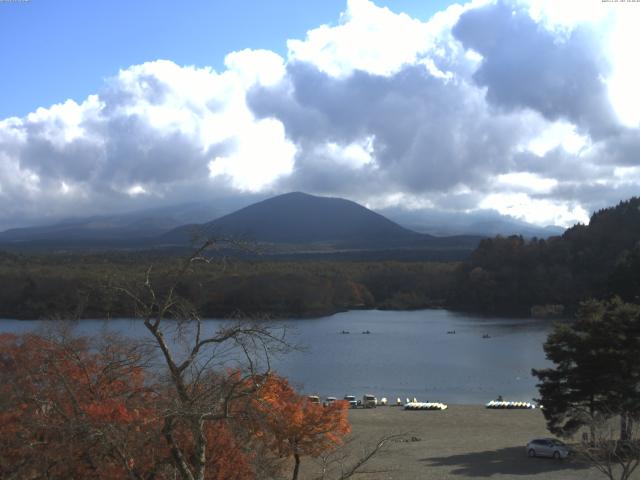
{"type": "Point", "coordinates": [118, 230]}
{"type": "Point", "coordinates": [290, 224]}
{"type": "Point", "coordinates": [323, 222]}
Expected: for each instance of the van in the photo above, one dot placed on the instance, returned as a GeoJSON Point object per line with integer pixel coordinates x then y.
{"type": "Point", "coordinates": [369, 401]}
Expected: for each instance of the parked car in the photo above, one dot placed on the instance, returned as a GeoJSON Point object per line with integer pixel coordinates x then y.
{"type": "Point", "coordinates": [369, 401]}
{"type": "Point", "coordinates": [314, 399]}
{"type": "Point", "coordinates": [548, 447]}
{"type": "Point", "coordinates": [329, 401]}
{"type": "Point", "coordinates": [353, 403]}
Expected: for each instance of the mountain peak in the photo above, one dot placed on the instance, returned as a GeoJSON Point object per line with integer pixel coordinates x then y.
{"type": "Point", "coordinates": [298, 217]}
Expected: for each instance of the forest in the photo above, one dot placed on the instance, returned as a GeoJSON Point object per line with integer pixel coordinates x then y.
{"type": "Point", "coordinates": [503, 276]}
{"type": "Point", "coordinates": [598, 260]}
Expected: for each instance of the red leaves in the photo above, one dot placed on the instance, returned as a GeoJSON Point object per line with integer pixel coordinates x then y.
{"type": "Point", "coordinates": [108, 411]}
{"type": "Point", "coordinates": [76, 410]}
{"type": "Point", "coordinates": [60, 408]}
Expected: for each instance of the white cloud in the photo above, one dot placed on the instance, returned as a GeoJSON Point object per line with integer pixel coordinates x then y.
{"type": "Point", "coordinates": [152, 132]}
{"type": "Point", "coordinates": [525, 182]}
{"type": "Point", "coordinates": [256, 66]}
{"type": "Point", "coordinates": [627, 174]}
{"type": "Point", "coordinates": [262, 155]}
{"type": "Point", "coordinates": [136, 190]}
{"type": "Point", "coordinates": [354, 155]}
{"type": "Point", "coordinates": [538, 211]}
{"type": "Point", "coordinates": [617, 27]}
{"type": "Point", "coordinates": [407, 201]}
{"type": "Point", "coordinates": [557, 134]}
{"type": "Point", "coordinates": [567, 13]}
{"type": "Point", "coordinates": [368, 38]}
{"type": "Point", "coordinates": [625, 76]}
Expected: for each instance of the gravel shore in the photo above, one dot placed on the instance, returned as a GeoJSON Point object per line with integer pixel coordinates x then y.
{"type": "Point", "coordinates": [460, 442]}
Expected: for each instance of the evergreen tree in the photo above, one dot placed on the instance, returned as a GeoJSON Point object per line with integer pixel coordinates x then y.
{"type": "Point", "coordinates": [596, 369]}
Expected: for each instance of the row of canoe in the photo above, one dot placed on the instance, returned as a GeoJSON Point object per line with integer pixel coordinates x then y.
{"type": "Point", "coordinates": [499, 404]}
{"type": "Point", "coordinates": [425, 406]}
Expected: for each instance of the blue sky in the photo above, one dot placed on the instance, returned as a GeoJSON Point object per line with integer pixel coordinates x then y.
{"type": "Point", "coordinates": [528, 108]}
{"type": "Point", "coordinates": [51, 50]}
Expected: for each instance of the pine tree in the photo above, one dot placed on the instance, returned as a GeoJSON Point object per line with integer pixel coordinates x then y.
{"type": "Point", "coordinates": [596, 370]}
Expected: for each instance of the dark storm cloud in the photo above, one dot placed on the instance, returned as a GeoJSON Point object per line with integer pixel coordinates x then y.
{"type": "Point", "coordinates": [77, 161]}
{"type": "Point", "coordinates": [560, 165]}
{"type": "Point", "coordinates": [593, 195]}
{"type": "Point", "coordinates": [429, 134]}
{"type": "Point", "coordinates": [129, 151]}
{"type": "Point", "coordinates": [624, 149]}
{"type": "Point", "coordinates": [525, 65]}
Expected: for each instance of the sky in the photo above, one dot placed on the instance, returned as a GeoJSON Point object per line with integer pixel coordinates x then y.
{"type": "Point", "coordinates": [530, 108]}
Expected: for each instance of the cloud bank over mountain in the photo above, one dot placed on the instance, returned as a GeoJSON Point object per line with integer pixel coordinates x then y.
{"type": "Point", "coordinates": [526, 108]}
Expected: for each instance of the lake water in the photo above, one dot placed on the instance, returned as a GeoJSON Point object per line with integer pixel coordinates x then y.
{"type": "Point", "coordinates": [407, 354]}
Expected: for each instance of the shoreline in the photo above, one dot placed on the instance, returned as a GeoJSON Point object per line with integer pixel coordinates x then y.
{"type": "Point", "coordinates": [317, 315]}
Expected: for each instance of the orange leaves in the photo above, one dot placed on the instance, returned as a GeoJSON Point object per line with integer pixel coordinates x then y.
{"type": "Point", "coordinates": [297, 426]}
{"type": "Point", "coordinates": [232, 463]}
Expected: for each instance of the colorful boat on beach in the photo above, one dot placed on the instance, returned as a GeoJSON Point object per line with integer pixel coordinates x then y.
{"type": "Point", "coordinates": [501, 404]}
{"type": "Point", "coordinates": [425, 406]}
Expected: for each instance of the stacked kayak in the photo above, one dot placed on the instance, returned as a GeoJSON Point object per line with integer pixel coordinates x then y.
{"type": "Point", "coordinates": [499, 404]}
{"type": "Point", "coordinates": [425, 406]}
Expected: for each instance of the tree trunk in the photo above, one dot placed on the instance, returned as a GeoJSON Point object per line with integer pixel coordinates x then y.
{"type": "Point", "coordinates": [592, 426]}
{"type": "Point", "coordinates": [296, 469]}
{"type": "Point", "coordinates": [625, 427]}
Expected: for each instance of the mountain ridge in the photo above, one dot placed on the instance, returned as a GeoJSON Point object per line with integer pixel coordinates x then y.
{"type": "Point", "coordinates": [294, 222]}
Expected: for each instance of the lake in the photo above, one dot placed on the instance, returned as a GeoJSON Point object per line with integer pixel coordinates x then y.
{"type": "Point", "coordinates": [407, 354]}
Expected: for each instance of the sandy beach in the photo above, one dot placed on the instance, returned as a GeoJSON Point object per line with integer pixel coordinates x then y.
{"type": "Point", "coordinates": [460, 442]}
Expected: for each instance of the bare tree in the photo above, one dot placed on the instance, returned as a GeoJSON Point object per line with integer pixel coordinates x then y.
{"type": "Point", "coordinates": [209, 373]}
{"type": "Point", "coordinates": [344, 463]}
{"type": "Point", "coordinates": [615, 456]}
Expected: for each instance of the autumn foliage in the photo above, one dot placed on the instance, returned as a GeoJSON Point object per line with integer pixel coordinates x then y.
{"type": "Point", "coordinates": [298, 427]}
{"type": "Point", "coordinates": [75, 408]}
{"type": "Point", "coordinates": [69, 412]}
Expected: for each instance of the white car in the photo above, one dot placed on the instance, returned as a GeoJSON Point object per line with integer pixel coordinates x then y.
{"type": "Point", "coordinates": [548, 447]}
{"type": "Point", "coordinates": [353, 403]}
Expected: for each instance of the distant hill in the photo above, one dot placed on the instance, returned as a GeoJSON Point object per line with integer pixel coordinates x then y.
{"type": "Point", "coordinates": [320, 222]}
{"type": "Point", "coordinates": [132, 229]}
